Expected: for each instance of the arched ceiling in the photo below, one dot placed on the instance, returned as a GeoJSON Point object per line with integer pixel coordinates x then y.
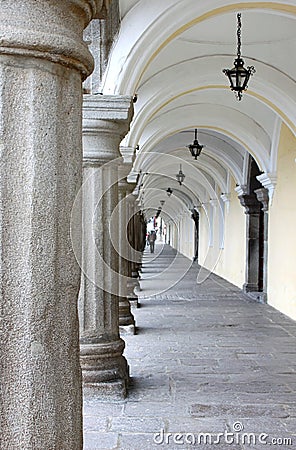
{"type": "Point", "coordinates": [171, 54]}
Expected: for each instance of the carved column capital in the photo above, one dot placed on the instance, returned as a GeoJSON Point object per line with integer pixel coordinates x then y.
{"type": "Point", "coordinates": [128, 154]}
{"type": "Point", "coordinates": [268, 180]}
{"type": "Point", "coordinates": [106, 120]}
{"type": "Point", "coordinates": [263, 197]}
{"type": "Point", "coordinates": [250, 203]}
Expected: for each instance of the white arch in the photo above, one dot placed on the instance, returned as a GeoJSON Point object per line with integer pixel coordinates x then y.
{"type": "Point", "coordinates": [155, 21]}
{"type": "Point", "coordinates": [272, 88]}
{"type": "Point", "coordinates": [236, 125]}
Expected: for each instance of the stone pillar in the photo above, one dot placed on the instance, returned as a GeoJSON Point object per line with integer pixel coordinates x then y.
{"type": "Point", "coordinates": [100, 35]}
{"type": "Point", "coordinates": [106, 120]}
{"type": "Point", "coordinates": [126, 318]}
{"type": "Point", "coordinates": [195, 218]}
{"type": "Point", "coordinates": [252, 211]}
{"type": "Point", "coordinates": [262, 195]}
{"type": "Point", "coordinates": [133, 284]}
{"type": "Point", "coordinates": [43, 60]}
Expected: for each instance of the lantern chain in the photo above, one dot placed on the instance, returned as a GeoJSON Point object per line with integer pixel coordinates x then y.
{"type": "Point", "coordinates": [239, 27]}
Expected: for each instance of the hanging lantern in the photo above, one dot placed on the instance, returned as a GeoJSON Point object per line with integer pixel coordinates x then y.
{"type": "Point", "coordinates": [239, 75]}
{"type": "Point", "coordinates": [180, 176]}
{"type": "Point", "coordinates": [195, 148]}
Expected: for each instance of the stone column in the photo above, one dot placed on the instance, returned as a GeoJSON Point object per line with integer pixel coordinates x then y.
{"type": "Point", "coordinates": [195, 218]}
{"type": "Point", "coordinates": [126, 318]}
{"type": "Point", "coordinates": [106, 120]}
{"type": "Point", "coordinates": [252, 211]}
{"type": "Point", "coordinates": [100, 36]}
{"type": "Point", "coordinates": [43, 60]}
{"type": "Point", "coordinates": [133, 284]}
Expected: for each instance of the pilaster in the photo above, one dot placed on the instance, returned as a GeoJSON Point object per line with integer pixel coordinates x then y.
{"type": "Point", "coordinates": [262, 195]}
{"type": "Point", "coordinates": [252, 211]}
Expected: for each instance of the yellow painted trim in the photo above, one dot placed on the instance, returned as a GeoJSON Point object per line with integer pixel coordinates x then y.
{"type": "Point", "coordinates": [189, 91]}
{"type": "Point", "coordinates": [218, 86]}
{"type": "Point", "coordinates": [283, 116]}
{"type": "Point", "coordinates": [224, 9]}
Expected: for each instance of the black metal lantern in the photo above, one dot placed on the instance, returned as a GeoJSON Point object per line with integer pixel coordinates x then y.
{"type": "Point", "coordinates": [180, 176]}
{"type": "Point", "coordinates": [169, 191]}
{"type": "Point", "coordinates": [239, 75]}
{"type": "Point", "coordinates": [195, 148]}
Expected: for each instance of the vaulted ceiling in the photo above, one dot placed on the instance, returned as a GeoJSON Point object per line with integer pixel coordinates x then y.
{"type": "Point", "coordinates": [171, 53]}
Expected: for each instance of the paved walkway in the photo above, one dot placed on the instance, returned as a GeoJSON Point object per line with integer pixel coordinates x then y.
{"type": "Point", "coordinates": [206, 359]}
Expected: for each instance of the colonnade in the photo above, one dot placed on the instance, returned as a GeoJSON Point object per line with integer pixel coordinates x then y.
{"type": "Point", "coordinates": [43, 61]}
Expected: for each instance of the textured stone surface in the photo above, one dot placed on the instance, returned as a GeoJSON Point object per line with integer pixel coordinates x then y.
{"type": "Point", "coordinates": [126, 318]}
{"type": "Point", "coordinates": [104, 369]}
{"type": "Point", "coordinates": [205, 357]}
{"type": "Point", "coordinates": [42, 62]}
{"type": "Point", "coordinates": [100, 35]}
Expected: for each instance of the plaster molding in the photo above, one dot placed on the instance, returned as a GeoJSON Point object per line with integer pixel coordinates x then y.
{"type": "Point", "coordinates": [226, 199]}
{"type": "Point", "coordinates": [128, 154]}
{"type": "Point", "coordinates": [241, 189]}
{"type": "Point", "coordinates": [268, 180]}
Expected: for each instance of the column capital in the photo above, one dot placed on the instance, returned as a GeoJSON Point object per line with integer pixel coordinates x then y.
{"type": "Point", "coordinates": [241, 189]}
{"type": "Point", "coordinates": [268, 180]}
{"type": "Point", "coordinates": [250, 203]}
{"type": "Point", "coordinates": [262, 197]}
{"type": "Point", "coordinates": [49, 30]}
{"type": "Point", "coordinates": [128, 154]}
{"type": "Point", "coordinates": [226, 199]}
{"type": "Point", "coordinates": [106, 120]}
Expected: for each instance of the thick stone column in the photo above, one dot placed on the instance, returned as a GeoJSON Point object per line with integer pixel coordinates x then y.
{"type": "Point", "coordinates": [252, 211]}
{"type": "Point", "coordinates": [43, 60]}
{"type": "Point", "coordinates": [126, 318]}
{"type": "Point", "coordinates": [106, 120]}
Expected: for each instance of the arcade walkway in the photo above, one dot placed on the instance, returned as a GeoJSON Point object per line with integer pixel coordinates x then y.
{"type": "Point", "coordinates": [206, 359]}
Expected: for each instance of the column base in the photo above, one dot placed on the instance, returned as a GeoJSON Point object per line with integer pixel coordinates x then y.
{"type": "Point", "coordinates": [127, 329]}
{"type": "Point", "coordinates": [111, 390]}
{"type": "Point", "coordinates": [105, 372]}
{"type": "Point", "coordinates": [250, 287]}
{"type": "Point", "coordinates": [258, 296]}
{"type": "Point", "coordinates": [125, 315]}
{"type": "Point", "coordinates": [134, 301]}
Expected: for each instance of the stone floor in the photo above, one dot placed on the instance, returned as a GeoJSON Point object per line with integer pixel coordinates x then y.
{"type": "Point", "coordinates": [206, 359]}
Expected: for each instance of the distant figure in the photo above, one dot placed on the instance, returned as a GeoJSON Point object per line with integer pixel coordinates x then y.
{"type": "Point", "coordinates": [152, 239]}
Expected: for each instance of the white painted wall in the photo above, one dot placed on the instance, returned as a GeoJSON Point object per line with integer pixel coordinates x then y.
{"type": "Point", "coordinates": [281, 292]}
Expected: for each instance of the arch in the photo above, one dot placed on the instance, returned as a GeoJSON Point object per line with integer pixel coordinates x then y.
{"type": "Point", "coordinates": [134, 50]}
{"type": "Point", "coordinates": [240, 128]}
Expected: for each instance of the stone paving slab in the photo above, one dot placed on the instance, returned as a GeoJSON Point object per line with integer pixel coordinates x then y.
{"type": "Point", "coordinates": [206, 358]}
